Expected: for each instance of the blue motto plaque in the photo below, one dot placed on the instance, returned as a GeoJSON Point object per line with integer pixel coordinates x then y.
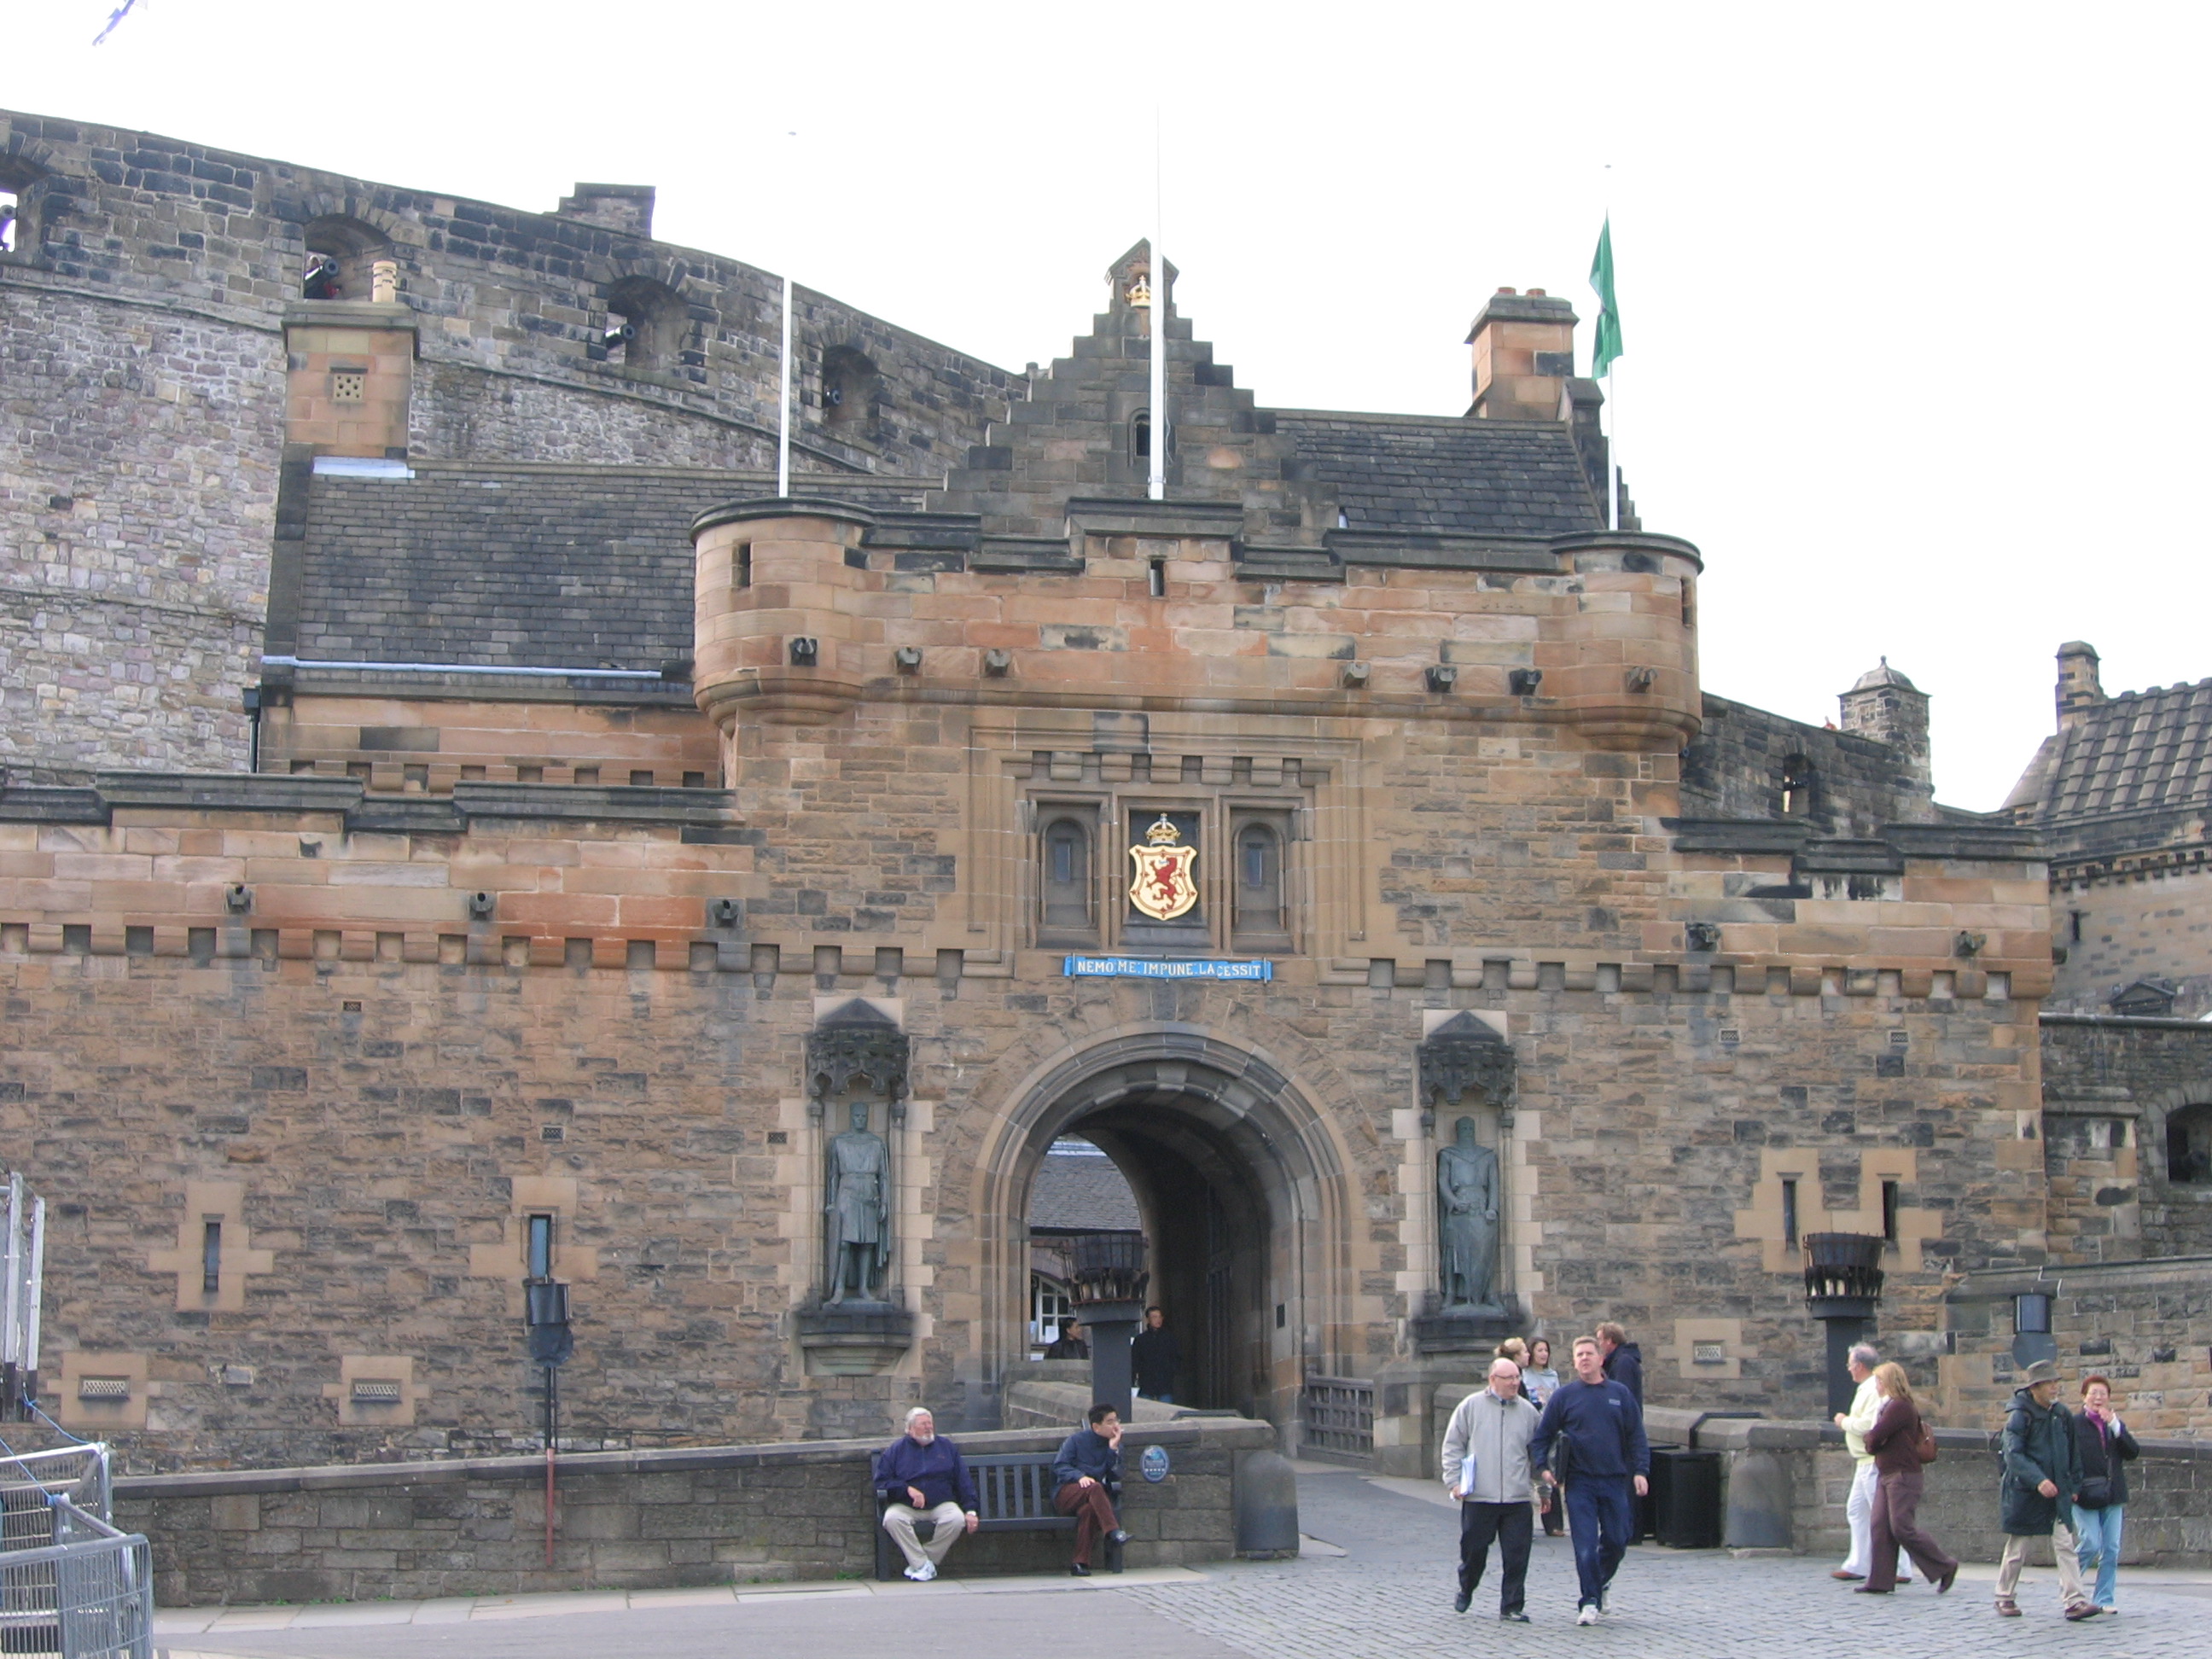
{"type": "Point", "coordinates": [1154, 1463]}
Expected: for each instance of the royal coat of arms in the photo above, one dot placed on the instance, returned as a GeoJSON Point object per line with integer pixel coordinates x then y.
{"type": "Point", "coordinates": [1162, 888]}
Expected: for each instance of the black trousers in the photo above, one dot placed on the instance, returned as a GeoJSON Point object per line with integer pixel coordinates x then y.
{"type": "Point", "coordinates": [1513, 1526]}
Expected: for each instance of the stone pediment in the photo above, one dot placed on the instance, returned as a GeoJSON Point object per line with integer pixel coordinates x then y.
{"type": "Point", "coordinates": [856, 1044]}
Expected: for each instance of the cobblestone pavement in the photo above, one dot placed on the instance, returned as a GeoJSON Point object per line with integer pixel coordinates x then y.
{"type": "Point", "coordinates": [1388, 1597]}
{"type": "Point", "coordinates": [1376, 1583]}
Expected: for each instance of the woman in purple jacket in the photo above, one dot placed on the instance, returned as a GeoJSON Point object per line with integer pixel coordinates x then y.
{"type": "Point", "coordinates": [1895, 1440]}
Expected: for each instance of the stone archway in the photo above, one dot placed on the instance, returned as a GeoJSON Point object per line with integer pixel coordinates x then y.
{"type": "Point", "coordinates": [1245, 1191]}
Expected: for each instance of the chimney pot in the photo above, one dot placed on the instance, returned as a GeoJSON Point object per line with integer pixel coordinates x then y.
{"type": "Point", "coordinates": [1536, 293]}
{"type": "Point", "coordinates": [1507, 290]}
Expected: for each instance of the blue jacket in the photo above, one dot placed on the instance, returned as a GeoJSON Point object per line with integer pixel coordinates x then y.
{"type": "Point", "coordinates": [1625, 1365]}
{"type": "Point", "coordinates": [1087, 1452]}
{"type": "Point", "coordinates": [1605, 1424]}
{"type": "Point", "coordinates": [935, 1470]}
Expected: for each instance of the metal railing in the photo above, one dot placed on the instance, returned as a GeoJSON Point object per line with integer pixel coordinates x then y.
{"type": "Point", "coordinates": [1338, 1414]}
{"type": "Point", "coordinates": [71, 1584]}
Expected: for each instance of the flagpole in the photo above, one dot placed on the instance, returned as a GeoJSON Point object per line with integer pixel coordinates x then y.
{"type": "Point", "coordinates": [1612, 444]}
{"type": "Point", "coordinates": [1157, 484]}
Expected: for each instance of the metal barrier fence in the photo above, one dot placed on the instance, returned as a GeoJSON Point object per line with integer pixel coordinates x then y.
{"type": "Point", "coordinates": [1339, 1414]}
{"type": "Point", "coordinates": [69, 1583]}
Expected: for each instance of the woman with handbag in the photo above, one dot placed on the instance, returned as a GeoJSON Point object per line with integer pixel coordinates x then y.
{"type": "Point", "coordinates": [1540, 1381]}
{"type": "Point", "coordinates": [1901, 1445]}
{"type": "Point", "coordinates": [2106, 1447]}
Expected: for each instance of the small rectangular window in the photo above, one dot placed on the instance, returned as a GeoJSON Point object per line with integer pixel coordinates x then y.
{"type": "Point", "coordinates": [741, 567]}
{"type": "Point", "coordinates": [1158, 574]}
{"type": "Point", "coordinates": [2031, 1316]}
{"type": "Point", "coordinates": [211, 1259]}
{"type": "Point", "coordinates": [1889, 1211]}
{"type": "Point", "coordinates": [540, 1262]}
{"type": "Point", "coordinates": [1788, 1210]}
{"type": "Point", "coordinates": [9, 224]}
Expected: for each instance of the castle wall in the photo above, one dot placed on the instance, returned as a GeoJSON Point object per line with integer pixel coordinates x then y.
{"type": "Point", "coordinates": [137, 504]}
{"type": "Point", "coordinates": [2146, 917]}
{"type": "Point", "coordinates": [2110, 1085]}
{"type": "Point", "coordinates": [1735, 768]}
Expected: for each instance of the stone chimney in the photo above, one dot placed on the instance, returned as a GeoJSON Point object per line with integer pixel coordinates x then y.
{"type": "Point", "coordinates": [1888, 708]}
{"type": "Point", "coordinates": [1524, 355]}
{"type": "Point", "coordinates": [2079, 687]}
{"type": "Point", "coordinates": [625, 208]}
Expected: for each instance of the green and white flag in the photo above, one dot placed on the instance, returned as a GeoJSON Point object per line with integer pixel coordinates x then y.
{"type": "Point", "coordinates": [1607, 344]}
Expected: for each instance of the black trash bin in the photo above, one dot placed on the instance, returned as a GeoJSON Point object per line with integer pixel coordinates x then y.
{"type": "Point", "coordinates": [1686, 1498]}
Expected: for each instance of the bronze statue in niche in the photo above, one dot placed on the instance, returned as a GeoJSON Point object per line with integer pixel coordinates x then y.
{"type": "Point", "coordinates": [858, 1205]}
{"type": "Point", "coordinates": [1467, 1221]}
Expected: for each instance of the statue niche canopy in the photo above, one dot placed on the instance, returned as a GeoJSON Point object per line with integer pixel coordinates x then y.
{"type": "Point", "coordinates": [1465, 1061]}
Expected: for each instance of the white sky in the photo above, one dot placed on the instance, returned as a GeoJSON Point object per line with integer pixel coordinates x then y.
{"type": "Point", "coordinates": [1899, 282]}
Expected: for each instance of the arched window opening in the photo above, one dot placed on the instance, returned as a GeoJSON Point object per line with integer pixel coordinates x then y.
{"type": "Point", "coordinates": [646, 325]}
{"type": "Point", "coordinates": [340, 253]}
{"type": "Point", "coordinates": [1067, 890]}
{"type": "Point", "coordinates": [849, 390]}
{"type": "Point", "coordinates": [2189, 1147]}
{"type": "Point", "coordinates": [1257, 915]}
{"type": "Point", "coordinates": [1797, 787]}
{"type": "Point", "coordinates": [1140, 436]}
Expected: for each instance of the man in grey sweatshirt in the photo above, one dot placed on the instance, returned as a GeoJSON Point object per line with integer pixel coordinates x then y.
{"type": "Point", "coordinates": [1493, 1427]}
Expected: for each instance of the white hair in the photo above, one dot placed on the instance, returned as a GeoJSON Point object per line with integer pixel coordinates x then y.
{"type": "Point", "coordinates": [920, 1411]}
{"type": "Point", "coordinates": [1866, 1354]}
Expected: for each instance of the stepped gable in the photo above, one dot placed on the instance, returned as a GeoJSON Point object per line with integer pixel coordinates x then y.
{"type": "Point", "coordinates": [513, 566]}
{"type": "Point", "coordinates": [1075, 437]}
{"type": "Point", "coordinates": [2138, 752]}
{"type": "Point", "coordinates": [1443, 476]}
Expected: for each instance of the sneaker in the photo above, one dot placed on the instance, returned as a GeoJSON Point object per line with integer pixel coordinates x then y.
{"type": "Point", "coordinates": [922, 1574]}
{"type": "Point", "coordinates": [1587, 1616]}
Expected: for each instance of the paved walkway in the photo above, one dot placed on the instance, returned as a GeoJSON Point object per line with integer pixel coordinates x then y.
{"type": "Point", "coordinates": [1374, 1582]}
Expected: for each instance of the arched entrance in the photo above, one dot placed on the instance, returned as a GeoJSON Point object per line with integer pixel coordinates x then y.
{"type": "Point", "coordinates": [1242, 1191]}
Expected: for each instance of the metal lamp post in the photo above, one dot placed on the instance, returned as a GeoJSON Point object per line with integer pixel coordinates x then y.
{"type": "Point", "coordinates": [1107, 1287]}
{"type": "Point", "coordinates": [1843, 1284]}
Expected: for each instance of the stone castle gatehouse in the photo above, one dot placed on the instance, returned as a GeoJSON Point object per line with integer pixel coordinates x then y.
{"type": "Point", "coordinates": [462, 825]}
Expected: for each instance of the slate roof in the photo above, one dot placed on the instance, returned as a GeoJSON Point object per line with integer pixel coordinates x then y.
{"type": "Point", "coordinates": [2139, 753]}
{"type": "Point", "coordinates": [1082, 1193]}
{"type": "Point", "coordinates": [526, 567]}
{"type": "Point", "coordinates": [1442, 477]}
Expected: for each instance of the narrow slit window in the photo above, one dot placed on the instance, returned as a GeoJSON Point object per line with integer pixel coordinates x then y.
{"type": "Point", "coordinates": [10, 207]}
{"type": "Point", "coordinates": [741, 568]}
{"type": "Point", "coordinates": [541, 1247]}
{"type": "Point", "coordinates": [1259, 881]}
{"type": "Point", "coordinates": [1067, 885]}
{"type": "Point", "coordinates": [1789, 1212]}
{"type": "Point", "coordinates": [1140, 436]}
{"type": "Point", "coordinates": [1157, 575]}
{"type": "Point", "coordinates": [211, 1258]}
{"type": "Point", "coordinates": [1889, 1211]}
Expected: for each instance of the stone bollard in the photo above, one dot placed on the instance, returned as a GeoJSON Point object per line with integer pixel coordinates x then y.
{"type": "Point", "coordinates": [1266, 1500]}
{"type": "Point", "coordinates": [384, 282]}
{"type": "Point", "coordinates": [1758, 1502]}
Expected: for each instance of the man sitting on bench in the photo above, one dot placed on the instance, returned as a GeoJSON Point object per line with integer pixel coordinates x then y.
{"type": "Point", "coordinates": [1088, 1469]}
{"type": "Point", "coordinates": [917, 1475]}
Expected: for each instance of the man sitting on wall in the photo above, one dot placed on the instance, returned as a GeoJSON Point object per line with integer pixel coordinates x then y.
{"type": "Point", "coordinates": [1088, 1471]}
{"type": "Point", "coordinates": [918, 1475]}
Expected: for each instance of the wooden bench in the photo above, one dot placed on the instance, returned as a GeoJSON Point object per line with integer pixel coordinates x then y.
{"type": "Point", "coordinates": [1014, 1492]}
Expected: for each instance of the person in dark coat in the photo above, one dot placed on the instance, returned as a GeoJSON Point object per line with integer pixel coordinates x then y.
{"type": "Point", "coordinates": [1624, 1360]}
{"type": "Point", "coordinates": [1591, 1438]}
{"type": "Point", "coordinates": [1895, 1440]}
{"type": "Point", "coordinates": [2042, 1477]}
{"type": "Point", "coordinates": [1087, 1469]}
{"type": "Point", "coordinates": [2107, 1449]}
{"type": "Point", "coordinates": [1071, 1345]}
{"type": "Point", "coordinates": [1154, 1357]}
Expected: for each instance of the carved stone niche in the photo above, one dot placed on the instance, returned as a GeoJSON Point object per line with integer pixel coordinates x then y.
{"type": "Point", "coordinates": [855, 1324]}
{"type": "Point", "coordinates": [1464, 1061]}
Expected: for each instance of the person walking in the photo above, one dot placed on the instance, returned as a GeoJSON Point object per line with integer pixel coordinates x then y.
{"type": "Point", "coordinates": [1088, 1470]}
{"type": "Point", "coordinates": [2042, 1477]}
{"type": "Point", "coordinates": [2106, 1449]}
{"type": "Point", "coordinates": [921, 1476]}
{"type": "Point", "coordinates": [1488, 1436]}
{"type": "Point", "coordinates": [1895, 1441]}
{"type": "Point", "coordinates": [1590, 1436]}
{"type": "Point", "coordinates": [1624, 1360]}
{"type": "Point", "coordinates": [1540, 1382]}
{"type": "Point", "coordinates": [1154, 1357]}
{"type": "Point", "coordinates": [1858, 1508]}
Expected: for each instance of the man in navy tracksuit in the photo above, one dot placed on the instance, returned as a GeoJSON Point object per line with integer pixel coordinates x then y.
{"type": "Point", "coordinates": [1592, 1430]}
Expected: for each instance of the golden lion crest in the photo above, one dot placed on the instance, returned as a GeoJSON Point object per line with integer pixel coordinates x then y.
{"type": "Point", "coordinates": [1162, 888]}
